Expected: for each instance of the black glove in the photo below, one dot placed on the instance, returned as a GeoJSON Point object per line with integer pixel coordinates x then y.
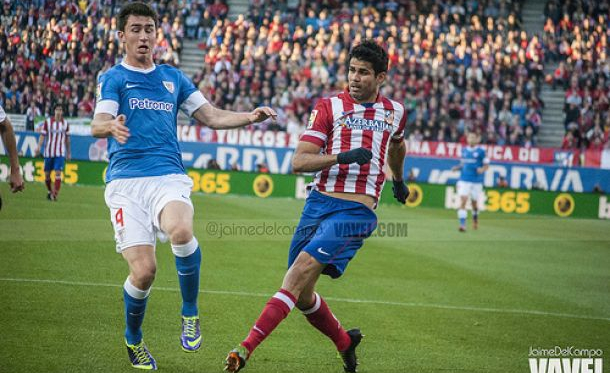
{"type": "Point", "coordinates": [401, 191]}
{"type": "Point", "coordinates": [359, 155]}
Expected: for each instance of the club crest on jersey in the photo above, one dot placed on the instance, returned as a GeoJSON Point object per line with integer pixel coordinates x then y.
{"type": "Point", "coordinates": [312, 119]}
{"type": "Point", "coordinates": [169, 86]}
{"type": "Point", "coordinates": [389, 116]}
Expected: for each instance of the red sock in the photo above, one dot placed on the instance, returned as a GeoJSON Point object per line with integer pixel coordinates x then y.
{"type": "Point", "coordinates": [321, 317]}
{"type": "Point", "coordinates": [276, 310]}
{"type": "Point", "coordinates": [48, 184]}
{"type": "Point", "coordinates": [57, 185]}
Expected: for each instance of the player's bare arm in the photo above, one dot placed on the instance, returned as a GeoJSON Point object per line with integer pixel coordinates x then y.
{"type": "Point", "coordinates": [40, 144]}
{"type": "Point", "coordinates": [457, 167]}
{"type": "Point", "coordinates": [219, 119]}
{"type": "Point", "coordinates": [396, 162]}
{"type": "Point", "coordinates": [396, 158]}
{"type": "Point", "coordinates": [106, 125]}
{"type": "Point", "coordinates": [307, 158]}
{"type": "Point", "coordinates": [8, 137]}
{"type": "Point", "coordinates": [68, 150]}
{"type": "Point", "coordinates": [482, 170]}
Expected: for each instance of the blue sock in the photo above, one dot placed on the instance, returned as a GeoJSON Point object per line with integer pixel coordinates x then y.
{"type": "Point", "coordinates": [188, 275]}
{"type": "Point", "coordinates": [134, 313]}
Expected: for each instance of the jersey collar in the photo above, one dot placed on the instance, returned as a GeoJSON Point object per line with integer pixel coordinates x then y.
{"type": "Point", "coordinates": [137, 69]}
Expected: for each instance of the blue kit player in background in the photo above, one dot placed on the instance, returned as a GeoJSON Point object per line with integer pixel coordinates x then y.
{"type": "Point", "coordinates": [147, 190]}
{"type": "Point", "coordinates": [470, 186]}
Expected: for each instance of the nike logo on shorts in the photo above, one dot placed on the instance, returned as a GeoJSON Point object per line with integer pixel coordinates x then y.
{"type": "Point", "coordinates": [130, 86]}
{"type": "Point", "coordinates": [321, 251]}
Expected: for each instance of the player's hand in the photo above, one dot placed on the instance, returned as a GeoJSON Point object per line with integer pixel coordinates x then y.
{"type": "Point", "coordinates": [480, 170]}
{"type": "Point", "coordinates": [16, 181]}
{"type": "Point", "coordinates": [455, 168]}
{"type": "Point", "coordinates": [119, 130]}
{"type": "Point", "coordinates": [401, 191]}
{"type": "Point", "coordinates": [261, 114]}
{"type": "Point", "coordinates": [358, 155]}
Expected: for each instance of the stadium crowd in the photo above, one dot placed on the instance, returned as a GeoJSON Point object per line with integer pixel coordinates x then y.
{"type": "Point", "coordinates": [53, 51]}
{"type": "Point", "coordinates": [576, 35]}
{"type": "Point", "coordinates": [458, 65]}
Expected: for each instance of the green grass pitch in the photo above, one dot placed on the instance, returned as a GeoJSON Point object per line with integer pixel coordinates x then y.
{"type": "Point", "coordinates": [434, 301]}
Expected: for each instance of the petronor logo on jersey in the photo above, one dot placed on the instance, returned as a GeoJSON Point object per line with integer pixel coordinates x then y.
{"type": "Point", "coordinates": [146, 104]}
{"type": "Point", "coordinates": [169, 86]}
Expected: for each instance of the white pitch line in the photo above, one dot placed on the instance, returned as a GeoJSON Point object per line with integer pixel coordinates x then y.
{"type": "Point", "coordinates": [346, 300]}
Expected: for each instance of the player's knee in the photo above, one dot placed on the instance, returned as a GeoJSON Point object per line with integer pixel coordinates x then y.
{"type": "Point", "coordinates": [306, 263]}
{"type": "Point", "coordinates": [181, 234]}
{"type": "Point", "coordinates": [144, 275]}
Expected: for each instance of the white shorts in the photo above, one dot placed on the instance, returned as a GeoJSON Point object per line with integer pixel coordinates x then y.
{"type": "Point", "coordinates": [135, 205]}
{"type": "Point", "coordinates": [468, 189]}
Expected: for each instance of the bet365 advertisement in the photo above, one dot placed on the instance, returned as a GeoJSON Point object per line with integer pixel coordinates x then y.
{"type": "Point", "coordinates": [428, 170]}
{"type": "Point", "coordinates": [510, 201]}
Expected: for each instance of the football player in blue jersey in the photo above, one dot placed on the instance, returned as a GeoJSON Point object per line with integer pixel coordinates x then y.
{"type": "Point", "coordinates": [470, 185]}
{"type": "Point", "coordinates": [147, 189]}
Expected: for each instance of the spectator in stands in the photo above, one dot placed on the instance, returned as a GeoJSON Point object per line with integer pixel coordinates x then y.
{"type": "Point", "coordinates": [57, 49]}
{"type": "Point", "coordinates": [580, 28]}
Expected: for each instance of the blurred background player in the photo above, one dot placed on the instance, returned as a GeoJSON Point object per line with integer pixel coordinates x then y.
{"type": "Point", "coordinates": [147, 189]}
{"type": "Point", "coordinates": [8, 138]}
{"type": "Point", "coordinates": [345, 144]}
{"type": "Point", "coordinates": [470, 185]}
{"type": "Point", "coordinates": [56, 131]}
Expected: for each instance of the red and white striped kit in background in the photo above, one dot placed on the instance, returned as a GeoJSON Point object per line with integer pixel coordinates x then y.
{"type": "Point", "coordinates": [338, 124]}
{"type": "Point", "coordinates": [56, 133]}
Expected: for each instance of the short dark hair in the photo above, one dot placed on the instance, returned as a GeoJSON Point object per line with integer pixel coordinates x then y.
{"type": "Point", "coordinates": [372, 52]}
{"type": "Point", "coordinates": [136, 9]}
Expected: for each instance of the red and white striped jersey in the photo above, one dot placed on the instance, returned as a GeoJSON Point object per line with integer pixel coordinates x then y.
{"type": "Point", "coordinates": [56, 132]}
{"type": "Point", "coordinates": [338, 124]}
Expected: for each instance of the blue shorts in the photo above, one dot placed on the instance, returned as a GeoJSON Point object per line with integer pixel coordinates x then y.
{"type": "Point", "coordinates": [54, 163]}
{"type": "Point", "coordinates": [331, 230]}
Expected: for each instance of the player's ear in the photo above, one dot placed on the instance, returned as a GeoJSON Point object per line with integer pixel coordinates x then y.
{"type": "Point", "coordinates": [381, 77]}
{"type": "Point", "coordinates": [121, 35]}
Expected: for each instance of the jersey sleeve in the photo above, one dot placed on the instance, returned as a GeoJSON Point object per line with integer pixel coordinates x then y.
{"type": "Point", "coordinates": [399, 135]}
{"type": "Point", "coordinates": [108, 94]}
{"type": "Point", "coordinates": [319, 125]}
{"type": "Point", "coordinates": [2, 114]}
{"type": "Point", "coordinates": [189, 97]}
